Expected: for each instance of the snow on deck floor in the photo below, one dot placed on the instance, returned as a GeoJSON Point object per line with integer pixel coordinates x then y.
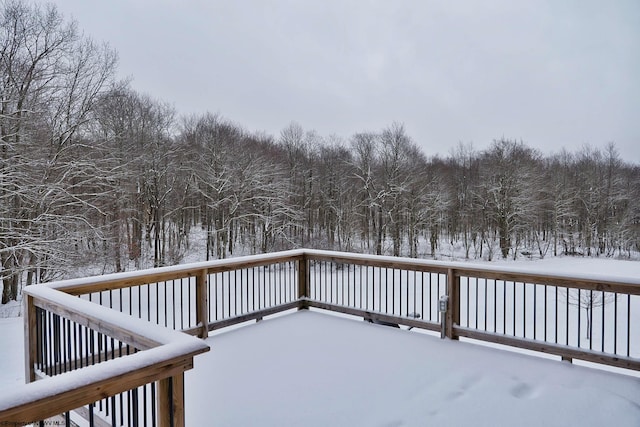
{"type": "Point", "coordinates": [314, 369]}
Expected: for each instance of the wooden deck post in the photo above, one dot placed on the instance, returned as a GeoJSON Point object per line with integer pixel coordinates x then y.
{"type": "Point", "coordinates": [303, 283]}
{"type": "Point", "coordinates": [171, 401]}
{"type": "Point", "coordinates": [202, 309]}
{"type": "Point", "coordinates": [30, 338]}
{"type": "Point", "coordinates": [453, 310]}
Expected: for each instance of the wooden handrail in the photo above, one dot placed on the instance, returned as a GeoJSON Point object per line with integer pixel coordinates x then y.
{"type": "Point", "coordinates": [114, 281]}
{"type": "Point", "coordinates": [550, 348]}
{"type": "Point", "coordinates": [629, 286]}
{"type": "Point", "coordinates": [61, 393]}
{"type": "Point", "coordinates": [165, 354]}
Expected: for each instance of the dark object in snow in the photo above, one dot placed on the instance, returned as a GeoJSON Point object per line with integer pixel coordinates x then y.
{"type": "Point", "coordinates": [381, 322]}
{"type": "Point", "coordinates": [415, 316]}
{"type": "Point", "coordinates": [391, 324]}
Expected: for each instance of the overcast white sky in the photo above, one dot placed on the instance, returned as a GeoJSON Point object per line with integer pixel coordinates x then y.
{"type": "Point", "coordinates": [551, 73]}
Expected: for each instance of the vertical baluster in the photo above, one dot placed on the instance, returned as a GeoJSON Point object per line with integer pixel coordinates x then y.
{"type": "Point", "coordinates": [415, 290]}
{"type": "Point", "coordinates": [211, 301]}
{"type": "Point", "coordinates": [134, 407]}
{"type": "Point", "coordinates": [253, 289]}
{"type": "Point", "coordinates": [567, 317]}
{"type": "Point", "coordinates": [262, 280]}
{"type": "Point", "coordinates": [430, 291]}
{"type": "Point", "coordinates": [226, 300]}
{"type": "Point", "coordinates": [557, 320]}
{"type": "Point", "coordinates": [393, 290]}
{"type": "Point", "coordinates": [121, 404]}
{"type": "Point", "coordinates": [579, 300]}
{"type": "Point", "coordinates": [173, 304]}
{"type": "Point", "coordinates": [524, 310]}
{"type": "Point", "coordinates": [281, 288]}
{"type": "Point", "coordinates": [615, 323]}
{"type": "Point", "coordinates": [145, 405]}
{"type": "Point", "coordinates": [39, 337]}
{"type": "Point", "coordinates": [495, 305]}
{"type": "Point", "coordinates": [628, 325]}
{"type": "Point", "coordinates": [49, 330]}
{"type": "Point", "coordinates": [113, 410]}
{"type": "Point", "coordinates": [485, 304]}
{"type": "Point", "coordinates": [545, 313]}
{"type": "Point", "coordinates": [154, 417]}
{"type": "Point", "coordinates": [514, 307]}
{"type": "Point", "coordinates": [268, 285]}
{"type": "Point", "coordinates": [360, 285]}
{"type": "Point", "coordinates": [181, 312]}
{"type": "Point", "coordinates": [603, 326]}
{"type": "Point", "coordinates": [78, 351]}
{"type": "Point", "coordinates": [590, 320]}
{"type": "Point", "coordinates": [92, 345]}
{"type": "Point", "coordinates": [380, 288]}
{"type": "Point", "coordinates": [468, 301]}
{"type": "Point", "coordinates": [504, 307]}
{"type": "Point", "coordinates": [477, 302]}
{"type": "Point", "coordinates": [348, 284]}
{"type": "Point", "coordinates": [534, 309]}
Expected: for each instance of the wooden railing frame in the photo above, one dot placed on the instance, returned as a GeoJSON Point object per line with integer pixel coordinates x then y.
{"type": "Point", "coordinates": [303, 258]}
{"type": "Point", "coordinates": [164, 357]}
{"type": "Point", "coordinates": [454, 271]}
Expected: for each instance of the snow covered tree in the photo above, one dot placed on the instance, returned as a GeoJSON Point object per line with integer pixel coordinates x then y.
{"type": "Point", "coordinates": [51, 78]}
{"type": "Point", "coordinates": [508, 180]}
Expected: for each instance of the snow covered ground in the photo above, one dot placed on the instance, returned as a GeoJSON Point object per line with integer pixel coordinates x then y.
{"type": "Point", "coordinates": [314, 369]}
{"type": "Point", "coordinates": [575, 265]}
{"type": "Point", "coordinates": [11, 351]}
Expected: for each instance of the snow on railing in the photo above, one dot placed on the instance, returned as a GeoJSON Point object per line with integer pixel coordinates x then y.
{"type": "Point", "coordinates": [75, 350]}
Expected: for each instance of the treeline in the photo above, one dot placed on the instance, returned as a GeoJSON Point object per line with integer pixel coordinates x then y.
{"type": "Point", "coordinates": [93, 172]}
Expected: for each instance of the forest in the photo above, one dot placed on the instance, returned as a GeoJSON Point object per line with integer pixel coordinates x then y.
{"type": "Point", "coordinates": [93, 172]}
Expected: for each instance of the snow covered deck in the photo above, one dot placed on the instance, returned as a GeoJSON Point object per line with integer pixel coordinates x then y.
{"type": "Point", "coordinates": [310, 368]}
{"type": "Point", "coordinates": [315, 369]}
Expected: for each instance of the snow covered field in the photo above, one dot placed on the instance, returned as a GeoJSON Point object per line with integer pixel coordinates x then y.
{"type": "Point", "coordinates": [313, 369]}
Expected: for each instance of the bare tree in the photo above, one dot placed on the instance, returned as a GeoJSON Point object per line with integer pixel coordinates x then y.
{"type": "Point", "coordinates": [588, 300]}
{"type": "Point", "coordinates": [51, 78]}
{"type": "Point", "coordinates": [369, 209]}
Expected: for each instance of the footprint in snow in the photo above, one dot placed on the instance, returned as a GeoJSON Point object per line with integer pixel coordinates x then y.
{"type": "Point", "coordinates": [523, 391]}
{"type": "Point", "coordinates": [465, 384]}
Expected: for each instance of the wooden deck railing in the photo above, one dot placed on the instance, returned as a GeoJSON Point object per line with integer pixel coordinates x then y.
{"type": "Point", "coordinates": [588, 318]}
{"type": "Point", "coordinates": [136, 375]}
{"type": "Point", "coordinates": [595, 319]}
